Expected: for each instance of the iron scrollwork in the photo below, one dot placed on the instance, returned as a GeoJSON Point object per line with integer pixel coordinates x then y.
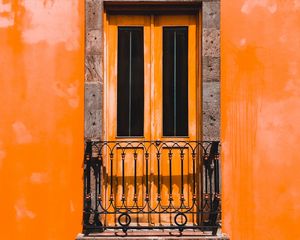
{"type": "Point", "coordinates": [150, 190]}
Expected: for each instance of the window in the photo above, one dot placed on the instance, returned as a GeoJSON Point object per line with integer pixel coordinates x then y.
{"type": "Point", "coordinates": [130, 102]}
{"type": "Point", "coordinates": [175, 81]}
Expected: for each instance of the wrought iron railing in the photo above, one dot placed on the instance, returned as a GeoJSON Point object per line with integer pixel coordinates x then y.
{"type": "Point", "coordinates": [151, 185]}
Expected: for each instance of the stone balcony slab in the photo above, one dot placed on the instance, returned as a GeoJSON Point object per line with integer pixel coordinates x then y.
{"type": "Point", "coordinates": [152, 235]}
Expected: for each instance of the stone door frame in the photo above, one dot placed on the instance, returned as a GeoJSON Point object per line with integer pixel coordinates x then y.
{"type": "Point", "coordinates": [94, 72]}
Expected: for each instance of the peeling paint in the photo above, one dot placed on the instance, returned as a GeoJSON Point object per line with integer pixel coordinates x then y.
{"type": "Point", "coordinates": [293, 87]}
{"type": "Point", "coordinates": [5, 7]}
{"type": "Point", "coordinates": [6, 21]}
{"type": "Point", "coordinates": [41, 118]}
{"type": "Point", "coordinates": [65, 137]}
{"type": "Point", "coordinates": [272, 8]}
{"type": "Point", "coordinates": [68, 92]}
{"type": "Point", "coordinates": [6, 16]}
{"type": "Point", "coordinates": [260, 127]}
{"type": "Point", "coordinates": [47, 22]}
{"type": "Point", "coordinates": [297, 4]}
{"type": "Point", "coordinates": [2, 154]}
{"type": "Point", "coordinates": [249, 5]}
{"type": "Point", "coordinates": [243, 42]}
{"type": "Point", "coordinates": [293, 68]}
{"type": "Point", "coordinates": [22, 133]}
{"type": "Point", "coordinates": [22, 211]}
{"type": "Point", "coordinates": [284, 122]}
{"type": "Point", "coordinates": [39, 177]}
{"type": "Point", "coordinates": [72, 208]}
{"type": "Point", "coordinates": [283, 38]}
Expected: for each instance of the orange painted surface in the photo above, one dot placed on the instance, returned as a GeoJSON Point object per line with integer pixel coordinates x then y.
{"type": "Point", "coordinates": [260, 88]}
{"type": "Point", "coordinates": [153, 45]}
{"type": "Point", "coordinates": [41, 118]}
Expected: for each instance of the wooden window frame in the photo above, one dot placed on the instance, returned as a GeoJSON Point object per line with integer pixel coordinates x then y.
{"type": "Point", "coordinates": [155, 8]}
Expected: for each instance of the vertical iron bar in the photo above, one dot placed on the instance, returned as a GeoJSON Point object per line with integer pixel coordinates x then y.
{"type": "Point", "coordinates": [206, 166]}
{"type": "Point", "coordinates": [210, 180]}
{"type": "Point", "coordinates": [158, 173]}
{"type": "Point", "coordinates": [87, 186]}
{"type": "Point", "coordinates": [123, 174]}
{"type": "Point", "coordinates": [170, 170]}
{"type": "Point", "coordinates": [202, 170]}
{"type": "Point", "coordinates": [95, 167]}
{"type": "Point", "coordinates": [216, 174]}
{"type": "Point", "coordinates": [206, 173]}
{"type": "Point", "coordinates": [217, 171]}
{"type": "Point", "coordinates": [99, 170]}
{"type": "Point", "coordinates": [147, 189]}
{"type": "Point", "coordinates": [181, 158]}
{"type": "Point", "coordinates": [194, 172]}
{"type": "Point", "coordinates": [111, 173]}
{"type": "Point", "coordinates": [135, 166]}
{"type": "Point", "coordinates": [88, 175]}
{"type": "Point", "coordinates": [198, 215]}
{"type": "Point", "coordinates": [88, 167]}
{"type": "Point", "coordinates": [214, 154]}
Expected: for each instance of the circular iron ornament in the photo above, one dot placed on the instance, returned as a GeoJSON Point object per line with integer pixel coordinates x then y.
{"type": "Point", "coordinates": [184, 220]}
{"type": "Point", "coordinates": [127, 219]}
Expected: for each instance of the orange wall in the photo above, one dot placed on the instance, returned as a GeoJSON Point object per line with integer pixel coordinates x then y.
{"type": "Point", "coordinates": [260, 105]}
{"type": "Point", "coordinates": [41, 118]}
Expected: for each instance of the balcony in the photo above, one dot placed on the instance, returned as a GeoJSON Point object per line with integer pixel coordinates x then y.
{"type": "Point", "coordinates": [151, 185]}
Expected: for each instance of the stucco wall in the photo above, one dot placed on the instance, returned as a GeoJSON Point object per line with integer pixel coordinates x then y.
{"type": "Point", "coordinates": [41, 118]}
{"type": "Point", "coordinates": [41, 124]}
{"type": "Point", "coordinates": [260, 86]}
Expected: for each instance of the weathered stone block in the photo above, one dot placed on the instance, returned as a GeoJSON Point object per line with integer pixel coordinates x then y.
{"type": "Point", "coordinates": [149, 235]}
{"type": "Point", "coordinates": [211, 110]}
{"type": "Point", "coordinates": [211, 69]}
{"type": "Point", "coordinates": [94, 9]}
{"type": "Point", "coordinates": [211, 42]}
{"type": "Point", "coordinates": [211, 15]}
{"type": "Point", "coordinates": [93, 42]}
{"type": "Point", "coordinates": [93, 124]}
{"type": "Point", "coordinates": [94, 68]}
{"type": "Point", "coordinates": [93, 96]}
{"type": "Point", "coordinates": [93, 110]}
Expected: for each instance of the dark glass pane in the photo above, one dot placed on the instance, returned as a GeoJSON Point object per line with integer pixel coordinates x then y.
{"type": "Point", "coordinates": [175, 81]}
{"type": "Point", "coordinates": [130, 108]}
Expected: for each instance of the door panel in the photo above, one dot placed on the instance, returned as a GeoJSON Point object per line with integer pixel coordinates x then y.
{"type": "Point", "coordinates": [162, 23]}
{"type": "Point", "coordinates": [115, 24]}
{"type": "Point", "coordinates": [175, 21]}
{"type": "Point", "coordinates": [175, 81]}
{"type": "Point", "coordinates": [130, 83]}
{"type": "Point", "coordinates": [150, 94]}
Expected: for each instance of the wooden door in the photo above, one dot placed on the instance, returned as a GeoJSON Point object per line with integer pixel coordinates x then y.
{"type": "Point", "coordinates": [151, 91]}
